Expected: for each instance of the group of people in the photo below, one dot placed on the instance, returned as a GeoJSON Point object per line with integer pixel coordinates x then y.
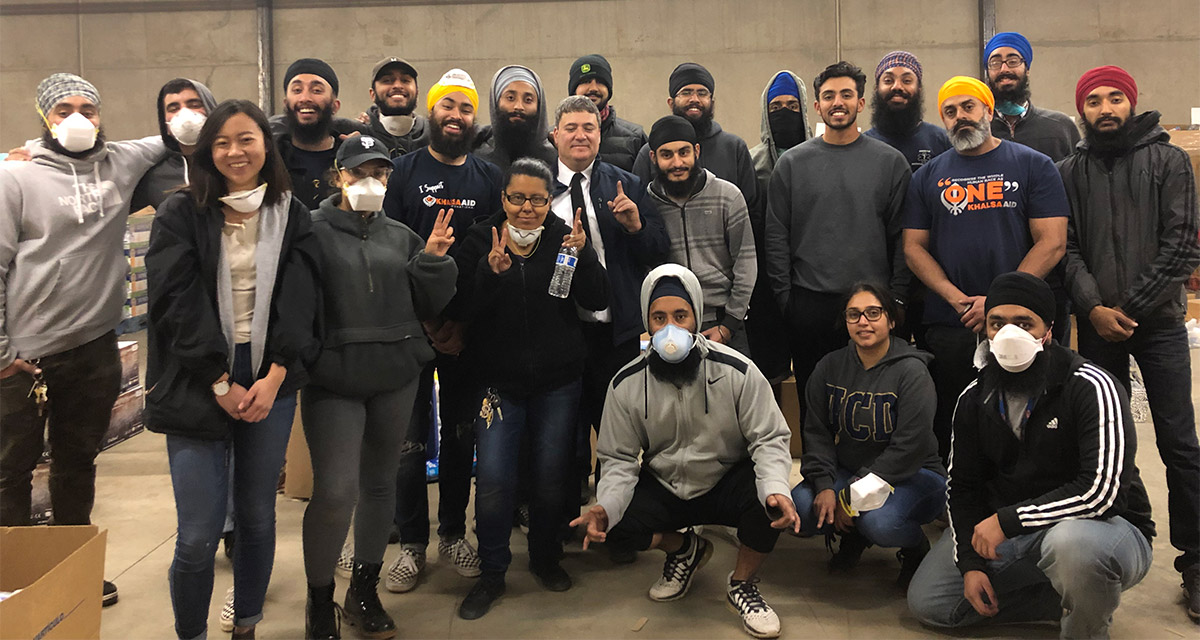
{"type": "Point", "coordinates": [355, 259]}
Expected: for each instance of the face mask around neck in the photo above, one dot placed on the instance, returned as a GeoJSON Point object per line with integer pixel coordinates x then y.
{"type": "Point", "coordinates": [524, 237]}
{"type": "Point", "coordinates": [247, 201]}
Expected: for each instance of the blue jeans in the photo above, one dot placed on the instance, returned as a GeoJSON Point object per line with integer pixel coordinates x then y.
{"type": "Point", "coordinates": [1073, 572]}
{"type": "Point", "coordinates": [200, 476]}
{"type": "Point", "coordinates": [897, 523]}
{"type": "Point", "coordinates": [549, 418]}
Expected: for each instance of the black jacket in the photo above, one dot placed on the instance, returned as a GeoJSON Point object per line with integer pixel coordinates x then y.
{"type": "Point", "coordinates": [620, 140]}
{"type": "Point", "coordinates": [628, 257]}
{"type": "Point", "coordinates": [1076, 459]}
{"type": "Point", "coordinates": [520, 338]}
{"type": "Point", "coordinates": [1132, 234]}
{"type": "Point", "coordinates": [373, 285]}
{"type": "Point", "coordinates": [185, 338]}
{"type": "Point", "coordinates": [1043, 130]}
{"type": "Point", "coordinates": [399, 145]}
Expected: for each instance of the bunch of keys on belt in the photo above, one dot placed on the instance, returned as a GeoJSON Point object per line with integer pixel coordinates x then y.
{"type": "Point", "coordinates": [491, 407]}
{"type": "Point", "coordinates": [39, 392]}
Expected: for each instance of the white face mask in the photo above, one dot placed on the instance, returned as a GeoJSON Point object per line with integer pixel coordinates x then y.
{"type": "Point", "coordinates": [1015, 348]}
{"type": "Point", "coordinates": [75, 133]}
{"type": "Point", "coordinates": [365, 195]}
{"type": "Point", "coordinates": [673, 343]}
{"type": "Point", "coordinates": [524, 237]}
{"type": "Point", "coordinates": [186, 125]}
{"type": "Point", "coordinates": [246, 201]}
{"type": "Point", "coordinates": [397, 125]}
{"type": "Point", "coordinates": [869, 493]}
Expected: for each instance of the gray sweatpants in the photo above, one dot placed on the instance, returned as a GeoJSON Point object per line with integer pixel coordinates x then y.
{"type": "Point", "coordinates": [355, 444]}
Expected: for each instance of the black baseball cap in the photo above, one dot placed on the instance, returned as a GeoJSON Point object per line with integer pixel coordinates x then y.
{"type": "Point", "coordinates": [356, 150]}
{"type": "Point", "coordinates": [389, 61]}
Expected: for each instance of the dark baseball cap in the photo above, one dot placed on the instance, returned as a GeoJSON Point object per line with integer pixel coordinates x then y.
{"type": "Point", "coordinates": [393, 60]}
{"type": "Point", "coordinates": [356, 150]}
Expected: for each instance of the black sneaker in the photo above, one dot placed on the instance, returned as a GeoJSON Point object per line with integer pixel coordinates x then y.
{"type": "Point", "coordinates": [110, 594]}
{"type": "Point", "coordinates": [479, 600]}
{"type": "Point", "coordinates": [551, 576]}
{"type": "Point", "coordinates": [1191, 592]}
{"type": "Point", "coordinates": [849, 552]}
{"type": "Point", "coordinates": [680, 567]}
{"type": "Point", "coordinates": [910, 558]}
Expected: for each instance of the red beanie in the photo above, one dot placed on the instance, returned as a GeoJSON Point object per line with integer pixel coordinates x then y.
{"type": "Point", "coordinates": [1106, 76]}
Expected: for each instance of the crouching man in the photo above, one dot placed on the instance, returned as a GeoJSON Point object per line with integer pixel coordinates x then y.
{"type": "Point", "coordinates": [1048, 516]}
{"type": "Point", "coordinates": [713, 447]}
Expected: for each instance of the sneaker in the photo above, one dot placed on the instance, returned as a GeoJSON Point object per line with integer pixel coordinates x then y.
{"type": "Point", "coordinates": [345, 563]}
{"type": "Point", "coordinates": [406, 569]}
{"type": "Point", "coordinates": [521, 518]}
{"type": "Point", "coordinates": [679, 568]}
{"type": "Point", "coordinates": [462, 555]}
{"type": "Point", "coordinates": [110, 594]}
{"type": "Point", "coordinates": [758, 619]}
{"type": "Point", "coordinates": [227, 612]}
{"type": "Point", "coordinates": [849, 552]}
{"type": "Point", "coordinates": [481, 597]}
{"type": "Point", "coordinates": [910, 558]}
{"type": "Point", "coordinates": [551, 576]}
{"type": "Point", "coordinates": [1191, 591]}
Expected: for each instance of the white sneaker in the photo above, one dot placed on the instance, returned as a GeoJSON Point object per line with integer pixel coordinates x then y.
{"type": "Point", "coordinates": [345, 563]}
{"type": "Point", "coordinates": [678, 569]}
{"type": "Point", "coordinates": [406, 569]}
{"type": "Point", "coordinates": [227, 612]}
{"type": "Point", "coordinates": [758, 619]}
{"type": "Point", "coordinates": [462, 555]}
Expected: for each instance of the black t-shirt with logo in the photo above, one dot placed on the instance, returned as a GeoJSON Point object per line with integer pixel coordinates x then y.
{"type": "Point", "coordinates": [421, 186]}
{"type": "Point", "coordinates": [310, 175]}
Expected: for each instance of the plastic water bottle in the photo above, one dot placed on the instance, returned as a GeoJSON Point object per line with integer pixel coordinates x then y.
{"type": "Point", "coordinates": [564, 270]}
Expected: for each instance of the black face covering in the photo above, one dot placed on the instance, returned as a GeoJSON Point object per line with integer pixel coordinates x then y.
{"type": "Point", "coordinates": [679, 373]}
{"type": "Point", "coordinates": [787, 128]}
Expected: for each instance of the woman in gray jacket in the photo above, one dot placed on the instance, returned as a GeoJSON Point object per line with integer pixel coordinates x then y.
{"type": "Point", "coordinates": [375, 281]}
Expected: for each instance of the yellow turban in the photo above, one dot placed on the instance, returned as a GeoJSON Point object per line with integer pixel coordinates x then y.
{"type": "Point", "coordinates": [452, 81]}
{"type": "Point", "coordinates": [965, 86]}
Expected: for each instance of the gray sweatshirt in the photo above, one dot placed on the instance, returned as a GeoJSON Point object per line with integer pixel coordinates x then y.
{"type": "Point", "coordinates": [710, 234]}
{"type": "Point", "coordinates": [62, 267]}
{"type": "Point", "coordinates": [833, 217]}
{"type": "Point", "coordinates": [690, 437]}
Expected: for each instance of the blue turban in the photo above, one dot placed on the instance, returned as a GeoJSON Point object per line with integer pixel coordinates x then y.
{"type": "Point", "coordinates": [783, 85]}
{"type": "Point", "coordinates": [1009, 39]}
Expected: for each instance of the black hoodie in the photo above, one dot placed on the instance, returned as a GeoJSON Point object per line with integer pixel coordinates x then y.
{"type": "Point", "coordinates": [877, 420]}
{"type": "Point", "coordinates": [167, 176]}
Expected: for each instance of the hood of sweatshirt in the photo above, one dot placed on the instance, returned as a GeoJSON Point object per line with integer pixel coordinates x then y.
{"type": "Point", "coordinates": [541, 131]}
{"type": "Point", "coordinates": [690, 284]}
{"type": "Point", "coordinates": [1145, 130]}
{"type": "Point", "coordinates": [206, 96]}
{"type": "Point", "coordinates": [768, 139]}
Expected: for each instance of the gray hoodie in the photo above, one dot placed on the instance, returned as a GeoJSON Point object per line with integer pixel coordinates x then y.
{"type": "Point", "coordinates": [62, 269]}
{"type": "Point", "coordinates": [538, 146]}
{"type": "Point", "coordinates": [690, 437]}
{"type": "Point", "coordinates": [765, 153]}
{"type": "Point", "coordinates": [167, 176]}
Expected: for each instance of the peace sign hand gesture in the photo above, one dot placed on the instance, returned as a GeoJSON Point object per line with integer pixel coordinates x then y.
{"type": "Point", "coordinates": [442, 235]}
{"type": "Point", "coordinates": [498, 259]}
{"type": "Point", "coordinates": [577, 237]}
{"type": "Point", "coordinates": [625, 210]}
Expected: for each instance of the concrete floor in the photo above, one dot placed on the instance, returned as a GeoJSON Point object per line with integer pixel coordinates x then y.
{"type": "Point", "coordinates": [134, 502]}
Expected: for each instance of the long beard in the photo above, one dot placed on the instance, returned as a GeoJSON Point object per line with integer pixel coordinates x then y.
{"type": "Point", "coordinates": [971, 135]}
{"type": "Point", "coordinates": [701, 124]}
{"type": "Point", "coordinates": [1019, 94]}
{"type": "Point", "coordinates": [451, 146]}
{"type": "Point", "coordinates": [1028, 382]}
{"type": "Point", "coordinates": [682, 188]}
{"type": "Point", "coordinates": [1110, 143]}
{"type": "Point", "coordinates": [897, 121]}
{"type": "Point", "coordinates": [679, 373]}
{"type": "Point", "coordinates": [310, 134]}
{"type": "Point", "coordinates": [516, 137]}
{"type": "Point", "coordinates": [53, 144]}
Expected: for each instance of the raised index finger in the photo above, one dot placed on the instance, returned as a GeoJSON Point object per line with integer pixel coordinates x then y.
{"type": "Point", "coordinates": [578, 226]}
{"type": "Point", "coordinates": [620, 188]}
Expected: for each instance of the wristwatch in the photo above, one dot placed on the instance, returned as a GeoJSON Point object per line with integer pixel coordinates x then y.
{"type": "Point", "coordinates": [220, 388]}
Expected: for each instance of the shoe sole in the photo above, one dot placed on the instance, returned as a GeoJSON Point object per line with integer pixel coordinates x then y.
{"type": "Point", "coordinates": [704, 557]}
{"type": "Point", "coordinates": [109, 601]}
{"type": "Point", "coordinates": [345, 573]}
{"type": "Point", "coordinates": [400, 588]}
{"type": "Point", "coordinates": [468, 572]}
{"type": "Point", "coordinates": [746, 627]}
{"type": "Point", "coordinates": [373, 635]}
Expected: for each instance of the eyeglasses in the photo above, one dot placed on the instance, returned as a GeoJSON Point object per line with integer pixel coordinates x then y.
{"type": "Point", "coordinates": [380, 173]}
{"type": "Point", "coordinates": [872, 314]}
{"type": "Point", "coordinates": [519, 199]}
{"type": "Point", "coordinates": [1012, 62]}
{"type": "Point", "coordinates": [699, 93]}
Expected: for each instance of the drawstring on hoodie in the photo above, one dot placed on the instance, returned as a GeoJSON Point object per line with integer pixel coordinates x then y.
{"type": "Point", "coordinates": [75, 180]}
{"type": "Point", "coordinates": [79, 197]}
{"type": "Point", "coordinates": [99, 189]}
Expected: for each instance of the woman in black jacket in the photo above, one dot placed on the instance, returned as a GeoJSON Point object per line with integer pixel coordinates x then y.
{"type": "Point", "coordinates": [528, 348]}
{"type": "Point", "coordinates": [224, 360]}
{"type": "Point", "coordinates": [376, 281]}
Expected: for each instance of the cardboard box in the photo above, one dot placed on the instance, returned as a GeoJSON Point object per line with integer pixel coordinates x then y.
{"type": "Point", "coordinates": [138, 280]}
{"type": "Point", "coordinates": [60, 572]}
{"type": "Point", "coordinates": [789, 403]}
{"type": "Point", "coordinates": [130, 377]}
{"type": "Point", "coordinates": [136, 253]}
{"type": "Point", "coordinates": [298, 474]}
{"type": "Point", "coordinates": [1193, 309]}
{"type": "Point", "coordinates": [127, 418]}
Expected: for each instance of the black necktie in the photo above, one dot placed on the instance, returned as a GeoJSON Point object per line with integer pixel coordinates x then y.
{"type": "Point", "coordinates": [578, 203]}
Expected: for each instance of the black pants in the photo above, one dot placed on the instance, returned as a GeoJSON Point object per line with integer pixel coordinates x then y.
{"type": "Point", "coordinates": [603, 361]}
{"type": "Point", "coordinates": [1161, 349]}
{"type": "Point", "coordinates": [953, 350]}
{"type": "Point", "coordinates": [82, 385]}
{"type": "Point", "coordinates": [816, 328]}
{"type": "Point", "coordinates": [733, 502]}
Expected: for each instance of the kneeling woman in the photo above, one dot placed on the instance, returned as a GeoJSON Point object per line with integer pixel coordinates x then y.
{"type": "Point", "coordinates": [376, 281]}
{"type": "Point", "coordinates": [224, 359]}
{"type": "Point", "coordinates": [528, 348]}
{"type": "Point", "coordinates": [870, 465]}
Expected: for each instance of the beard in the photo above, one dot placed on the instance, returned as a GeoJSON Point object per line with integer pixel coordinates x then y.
{"type": "Point", "coordinates": [1028, 382]}
{"type": "Point", "coordinates": [384, 109]}
{"type": "Point", "coordinates": [310, 134]}
{"type": "Point", "coordinates": [701, 123]}
{"type": "Point", "coordinates": [840, 127]}
{"type": "Point", "coordinates": [1109, 143]}
{"type": "Point", "coordinates": [1019, 94]}
{"type": "Point", "coordinates": [679, 373]}
{"type": "Point", "coordinates": [53, 144]}
{"type": "Point", "coordinates": [598, 98]}
{"type": "Point", "coordinates": [680, 188]}
{"type": "Point", "coordinates": [453, 146]}
{"type": "Point", "coordinates": [897, 121]}
{"type": "Point", "coordinates": [516, 136]}
{"type": "Point", "coordinates": [969, 134]}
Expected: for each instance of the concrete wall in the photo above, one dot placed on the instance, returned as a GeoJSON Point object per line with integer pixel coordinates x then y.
{"type": "Point", "coordinates": [743, 42]}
